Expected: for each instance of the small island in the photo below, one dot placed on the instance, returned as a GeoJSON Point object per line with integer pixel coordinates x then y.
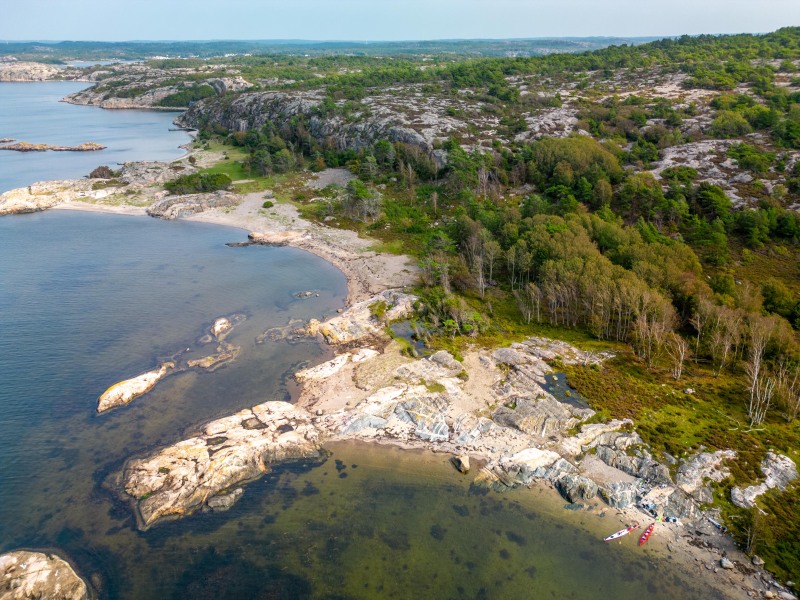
{"type": "Point", "coordinates": [29, 147]}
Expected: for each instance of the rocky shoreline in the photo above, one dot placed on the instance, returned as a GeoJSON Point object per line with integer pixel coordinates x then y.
{"type": "Point", "coordinates": [491, 406]}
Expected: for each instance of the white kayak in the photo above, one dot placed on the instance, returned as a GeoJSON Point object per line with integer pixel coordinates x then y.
{"type": "Point", "coordinates": [621, 532]}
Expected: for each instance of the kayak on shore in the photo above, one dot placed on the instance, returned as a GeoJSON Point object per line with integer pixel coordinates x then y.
{"type": "Point", "coordinates": [621, 532]}
{"type": "Point", "coordinates": [646, 535]}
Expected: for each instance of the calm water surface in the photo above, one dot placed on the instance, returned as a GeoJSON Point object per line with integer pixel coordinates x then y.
{"type": "Point", "coordinates": [31, 112]}
{"type": "Point", "coordinates": [89, 299]}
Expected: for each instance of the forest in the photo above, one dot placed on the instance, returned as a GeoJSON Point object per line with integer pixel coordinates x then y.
{"type": "Point", "coordinates": [593, 237]}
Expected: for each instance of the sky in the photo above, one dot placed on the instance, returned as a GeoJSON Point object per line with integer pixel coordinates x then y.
{"type": "Point", "coordinates": [117, 20]}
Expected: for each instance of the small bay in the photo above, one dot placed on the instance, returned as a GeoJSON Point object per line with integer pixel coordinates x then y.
{"type": "Point", "coordinates": [31, 112]}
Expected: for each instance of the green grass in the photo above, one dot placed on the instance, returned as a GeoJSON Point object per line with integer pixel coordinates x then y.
{"type": "Point", "coordinates": [713, 418]}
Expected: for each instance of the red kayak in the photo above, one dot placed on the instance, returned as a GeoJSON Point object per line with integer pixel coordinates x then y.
{"type": "Point", "coordinates": [621, 532]}
{"type": "Point", "coordinates": [646, 535]}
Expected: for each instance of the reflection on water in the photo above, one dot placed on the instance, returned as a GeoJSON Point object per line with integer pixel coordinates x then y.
{"type": "Point", "coordinates": [87, 300]}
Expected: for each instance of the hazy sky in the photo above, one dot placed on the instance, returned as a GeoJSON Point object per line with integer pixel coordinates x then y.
{"type": "Point", "coordinates": [383, 19]}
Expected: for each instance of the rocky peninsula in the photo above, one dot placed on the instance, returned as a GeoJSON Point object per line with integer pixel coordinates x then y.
{"type": "Point", "coordinates": [491, 409]}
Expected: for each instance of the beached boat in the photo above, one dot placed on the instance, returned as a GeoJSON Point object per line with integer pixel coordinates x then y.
{"type": "Point", "coordinates": [621, 532]}
{"type": "Point", "coordinates": [646, 535]}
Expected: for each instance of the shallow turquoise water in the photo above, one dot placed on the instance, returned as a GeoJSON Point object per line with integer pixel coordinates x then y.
{"type": "Point", "coordinates": [31, 112]}
{"type": "Point", "coordinates": [86, 300]}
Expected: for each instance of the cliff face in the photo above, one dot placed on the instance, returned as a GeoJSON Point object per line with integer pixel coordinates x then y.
{"type": "Point", "coordinates": [251, 111]}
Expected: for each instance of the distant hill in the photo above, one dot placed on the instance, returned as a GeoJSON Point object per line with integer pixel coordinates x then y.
{"type": "Point", "coordinates": [62, 51]}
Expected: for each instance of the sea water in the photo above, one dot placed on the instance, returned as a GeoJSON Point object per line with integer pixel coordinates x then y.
{"type": "Point", "coordinates": [88, 299]}
{"type": "Point", "coordinates": [31, 112]}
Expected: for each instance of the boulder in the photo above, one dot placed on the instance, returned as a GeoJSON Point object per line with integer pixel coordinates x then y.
{"type": "Point", "coordinates": [445, 360]}
{"type": "Point", "coordinates": [590, 435]}
{"type": "Point", "coordinates": [725, 563]}
{"type": "Point", "coordinates": [619, 494]}
{"type": "Point", "coordinates": [680, 505]}
{"type": "Point", "coordinates": [461, 463]}
{"type": "Point", "coordinates": [25, 575]}
{"type": "Point", "coordinates": [576, 488]}
{"type": "Point", "coordinates": [178, 480]}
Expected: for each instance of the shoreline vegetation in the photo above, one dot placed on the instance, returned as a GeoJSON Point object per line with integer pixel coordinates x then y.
{"type": "Point", "coordinates": [652, 225]}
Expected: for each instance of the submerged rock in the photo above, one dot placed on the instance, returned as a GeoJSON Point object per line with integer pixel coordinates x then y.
{"type": "Point", "coordinates": [25, 575]}
{"type": "Point", "coordinates": [178, 480]}
{"type": "Point", "coordinates": [225, 502]}
{"type": "Point", "coordinates": [126, 391]}
{"type": "Point", "coordinates": [226, 353]}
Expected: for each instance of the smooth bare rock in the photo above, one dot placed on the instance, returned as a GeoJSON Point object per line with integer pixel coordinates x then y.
{"type": "Point", "coordinates": [362, 424]}
{"type": "Point", "coordinates": [525, 466]}
{"type": "Point", "coordinates": [180, 479]}
{"type": "Point", "coordinates": [363, 354]}
{"type": "Point", "coordinates": [359, 321]}
{"type": "Point", "coordinates": [640, 464]}
{"type": "Point", "coordinates": [469, 428]}
{"type": "Point", "coordinates": [178, 207]}
{"type": "Point", "coordinates": [590, 435]}
{"type": "Point", "coordinates": [145, 173]}
{"type": "Point", "coordinates": [128, 390]}
{"type": "Point", "coordinates": [427, 414]}
{"type": "Point", "coordinates": [696, 470]}
{"type": "Point", "coordinates": [27, 71]}
{"type": "Point", "coordinates": [779, 471]}
{"type": "Point", "coordinates": [30, 147]}
{"type": "Point", "coordinates": [25, 575]}
{"type": "Point", "coordinates": [324, 370]}
{"type": "Point", "coordinates": [383, 402]}
{"type": "Point", "coordinates": [541, 417]}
